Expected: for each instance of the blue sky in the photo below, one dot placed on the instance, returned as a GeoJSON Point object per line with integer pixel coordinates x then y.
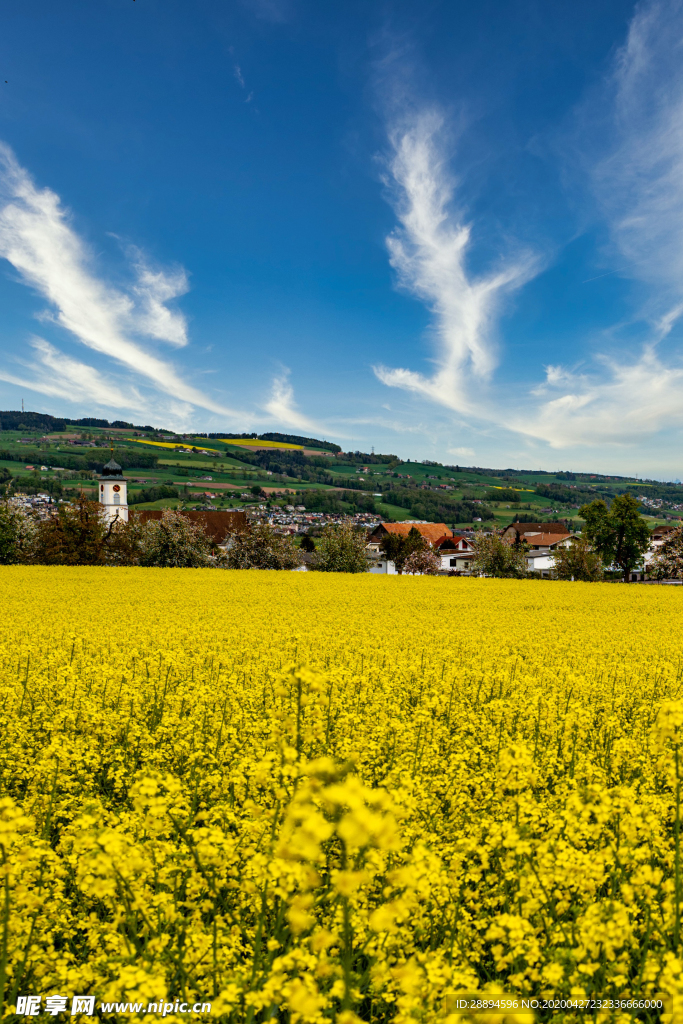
{"type": "Point", "coordinates": [450, 231]}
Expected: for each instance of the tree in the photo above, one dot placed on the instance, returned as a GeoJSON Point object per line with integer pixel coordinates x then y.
{"type": "Point", "coordinates": [16, 534]}
{"type": "Point", "coordinates": [262, 548]}
{"type": "Point", "coordinates": [493, 557]}
{"type": "Point", "coordinates": [667, 564]}
{"type": "Point", "coordinates": [578, 561]}
{"type": "Point", "coordinates": [72, 535]}
{"type": "Point", "coordinates": [342, 549]}
{"type": "Point", "coordinates": [619, 533]}
{"type": "Point", "coordinates": [174, 542]}
{"type": "Point", "coordinates": [502, 494]}
{"type": "Point", "coordinates": [422, 563]}
{"type": "Point", "coordinates": [397, 548]}
{"type": "Point", "coordinates": [307, 544]}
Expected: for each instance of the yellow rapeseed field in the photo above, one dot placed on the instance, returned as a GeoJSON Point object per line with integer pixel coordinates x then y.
{"type": "Point", "coordinates": [317, 797]}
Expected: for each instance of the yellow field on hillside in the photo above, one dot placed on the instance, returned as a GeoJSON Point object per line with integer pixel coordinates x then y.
{"type": "Point", "coordinates": [317, 797]}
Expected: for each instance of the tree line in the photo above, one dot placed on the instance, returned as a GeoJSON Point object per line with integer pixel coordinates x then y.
{"type": "Point", "coordinates": [614, 536]}
{"type": "Point", "coordinates": [78, 534]}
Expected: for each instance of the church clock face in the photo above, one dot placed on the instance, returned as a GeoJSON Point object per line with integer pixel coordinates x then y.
{"type": "Point", "coordinates": [116, 487]}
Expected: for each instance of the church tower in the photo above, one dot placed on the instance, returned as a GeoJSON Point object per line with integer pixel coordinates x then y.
{"type": "Point", "coordinates": [113, 492]}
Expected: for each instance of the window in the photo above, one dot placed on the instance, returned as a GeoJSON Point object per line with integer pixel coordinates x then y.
{"type": "Point", "coordinates": [117, 499]}
{"type": "Point", "coordinates": [454, 561]}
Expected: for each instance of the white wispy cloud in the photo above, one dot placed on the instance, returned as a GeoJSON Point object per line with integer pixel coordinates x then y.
{"type": "Point", "coordinates": [55, 374]}
{"type": "Point", "coordinates": [154, 288]}
{"type": "Point", "coordinates": [636, 173]}
{"type": "Point", "coordinates": [621, 405]}
{"type": "Point", "coordinates": [429, 252]}
{"type": "Point", "coordinates": [37, 238]}
{"type": "Point", "coordinates": [282, 407]}
{"type": "Point", "coordinates": [638, 180]}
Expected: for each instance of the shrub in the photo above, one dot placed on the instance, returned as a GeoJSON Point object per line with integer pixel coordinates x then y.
{"type": "Point", "coordinates": [262, 548]}
{"type": "Point", "coordinates": [341, 549]}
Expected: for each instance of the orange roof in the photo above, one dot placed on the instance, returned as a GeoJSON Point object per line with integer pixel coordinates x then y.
{"type": "Point", "coordinates": [545, 540]}
{"type": "Point", "coordinates": [432, 532]}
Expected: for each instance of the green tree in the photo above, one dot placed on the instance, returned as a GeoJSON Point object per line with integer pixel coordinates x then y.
{"type": "Point", "coordinates": [341, 549]}
{"type": "Point", "coordinates": [502, 494]}
{"type": "Point", "coordinates": [667, 564]}
{"type": "Point", "coordinates": [618, 533]}
{"type": "Point", "coordinates": [578, 561]}
{"type": "Point", "coordinates": [262, 548]}
{"type": "Point", "coordinates": [397, 548]}
{"type": "Point", "coordinates": [307, 544]}
{"type": "Point", "coordinates": [493, 557]}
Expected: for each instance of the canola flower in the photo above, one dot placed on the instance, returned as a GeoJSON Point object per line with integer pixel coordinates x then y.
{"type": "Point", "coordinates": [313, 798]}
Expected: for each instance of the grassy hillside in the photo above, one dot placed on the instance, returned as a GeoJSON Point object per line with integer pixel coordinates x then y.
{"type": "Point", "coordinates": [64, 461]}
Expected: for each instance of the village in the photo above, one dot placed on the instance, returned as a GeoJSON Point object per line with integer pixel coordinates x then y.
{"type": "Point", "coordinates": [454, 550]}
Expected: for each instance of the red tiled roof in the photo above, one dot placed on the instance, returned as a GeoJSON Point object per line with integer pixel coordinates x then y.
{"type": "Point", "coordinates": [450, 542]}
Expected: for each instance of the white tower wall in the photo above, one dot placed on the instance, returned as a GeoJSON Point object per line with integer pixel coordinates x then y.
{"type": "Point", "coordinates": [114, 497]}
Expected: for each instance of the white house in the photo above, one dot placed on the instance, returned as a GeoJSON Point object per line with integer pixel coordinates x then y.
{"type": "Point", "coordinates": [455, 553]}
{"type": "Point", "coordinates": [383, 565]}
{"type": "Point", "coordinates": [540, 561]}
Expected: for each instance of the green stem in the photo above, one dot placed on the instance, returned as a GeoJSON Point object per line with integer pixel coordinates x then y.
{"type": "Point", "coordinates": [5, 937]}
{"type": "Point", "coordinates": [677, 855]}
{"type": "Point", "coordinates": [347, 955]}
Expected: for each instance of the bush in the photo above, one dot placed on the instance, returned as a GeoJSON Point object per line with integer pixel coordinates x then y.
{"type": "Point", "coordinates": [493, 557]}
{"type": "Point", "coordinates": [174, 541]}
{"type": "Point", "coordinates": [341, 549]}
{"type": "Point", "coordinates": [17, 529]}
{"type": "Point", "coordinates": [422, 563]}
{"type": "Point", "coordinates": [397, 548]}
{"type": "Point", "coordinates": [262, 548]}
{"type": "Point", "coordinates": [578, 562]}
{"type": "Point", "coordinates": [667, 563]}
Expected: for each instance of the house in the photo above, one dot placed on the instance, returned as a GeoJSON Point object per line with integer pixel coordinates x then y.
{"type": "Point", "coordinates": [383, 565]}
{"type": "Point", "coordinates": [538, 535]}
{"type": "Point", "coordinates": [540, 561]}
{"type": "Point", "coordinates": [432, 532]}
{"type": "Point", "coordinates": [660, 534]}
{"type": "Point", "coordinates": [455, 552]}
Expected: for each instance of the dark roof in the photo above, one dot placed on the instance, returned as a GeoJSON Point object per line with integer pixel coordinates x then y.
{"type": "Point", "coordinates": [522, 528]}
{"type": "Point", "coordinates": [111, 468]}
{"type": "Point", "coordinates": [432, 532]}
{"type": "Point", "coordinates": [217, 524]}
